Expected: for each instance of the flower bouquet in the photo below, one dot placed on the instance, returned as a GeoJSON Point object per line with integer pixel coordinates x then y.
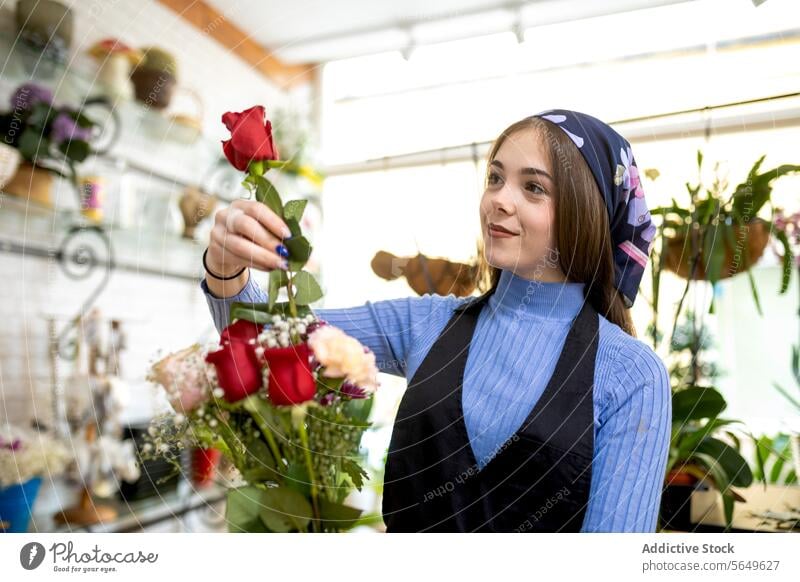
{"type": "Point", "coordinates": [26, 457]}
{"type": "Point", "coordinates": [285, 396]}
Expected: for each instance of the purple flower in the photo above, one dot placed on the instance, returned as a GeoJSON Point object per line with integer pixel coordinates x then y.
{"type": "Point", "coordinates": [13, 445]}
{"type": "Point", "coordinates": [29, 94]}
{"type": "Point", "coordinates": [67, 129]}
{"type": "Point", "coordinates": [328, 399]}
{"type": "Point", "coordinates": [353, 391]}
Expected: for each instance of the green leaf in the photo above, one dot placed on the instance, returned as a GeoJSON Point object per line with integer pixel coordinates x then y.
{"type": "Point", "coordinates": [753, 288]}
{"type": "Point", "coordinates": [255, 312]}
{"type": "Point", "coordinates": [695, 403]}
{"type": "Point", "coordinates": [30, 143]}
{"type": "Point", "coordinates": [307, 290]}
{"type": "Point", "coordinates": [284, 509]}
{"type": "Point", "coordinates": [294, 226]}
{"type": "Point", "coordinates": [76, 150]}
{"type": "Point", "coordinates": [732, 462]}
{"type": "Point", "coordinates": [267, 194]}
{"type": "Point", "coordinates": [261, 462]}
{"type": "Point", "coordinates": [294, 210]}
{"type": "Point", "coordinates": [714, 251]}
{"type": "Point", "coordinates": [297, 478]}
{"type": "Point", "coordinates": [277, 278]}
{"type": "Point", "coordinates": [692, 437]}
{"type": "Point", "coordinates": [355, 472]}
{"type": "Point", "coordinates": [299, 248]}
{"type": "Point", "coordinates": [282, 308]}
{"type": "Point", "coordinates": [787, 261]}
{"type": "Point", "coordinates": [337, 516]}
{"type": "Point", "coordinates": [266, 414]}
{"type": "Point", "coordinates": [242, 510]}
{"type": "Point", "coordinates": [358, 408]}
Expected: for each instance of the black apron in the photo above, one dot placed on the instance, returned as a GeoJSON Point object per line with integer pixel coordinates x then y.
{"type": "Point", "coordinates": [538, 480]}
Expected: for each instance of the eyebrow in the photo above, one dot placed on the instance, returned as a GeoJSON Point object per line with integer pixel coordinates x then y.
{"type": "Point", "coordinates": [526, 171]}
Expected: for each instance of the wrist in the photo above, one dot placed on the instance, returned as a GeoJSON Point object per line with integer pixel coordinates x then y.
{"type": "Point", "coordinates": [219, 269]}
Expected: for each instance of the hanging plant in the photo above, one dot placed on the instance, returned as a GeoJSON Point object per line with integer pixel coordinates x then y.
{"type": "Point", "coordinates": [720, 235]}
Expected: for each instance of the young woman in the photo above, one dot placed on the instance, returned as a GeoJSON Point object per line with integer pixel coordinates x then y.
{"type": "Point", "coordinates": [531, 407]}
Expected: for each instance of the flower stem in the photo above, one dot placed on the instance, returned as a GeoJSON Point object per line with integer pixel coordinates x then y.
{"type": "Point", "coordinates": [310, 468]}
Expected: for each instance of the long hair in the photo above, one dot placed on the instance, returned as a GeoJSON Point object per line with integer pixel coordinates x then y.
{"type": "Point", "coordinates": [583, 237]}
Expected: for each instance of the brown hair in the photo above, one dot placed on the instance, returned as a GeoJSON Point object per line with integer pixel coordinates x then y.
{"type": "Point", "coordinates": [583, 237]}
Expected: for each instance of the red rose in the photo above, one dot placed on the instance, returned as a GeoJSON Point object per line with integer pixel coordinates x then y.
{"type": "Point", "coordinates": [251, 138]}
{"type": "Point", "coordinates": [238, 369]}
{"type": "Point", "coordinates": [290, 377]}
{"type": "Point", "coordinates": [242, 330]}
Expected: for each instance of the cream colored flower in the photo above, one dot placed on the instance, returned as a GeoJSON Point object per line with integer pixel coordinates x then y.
{"type": "Point", "coordinates": [343, 356]}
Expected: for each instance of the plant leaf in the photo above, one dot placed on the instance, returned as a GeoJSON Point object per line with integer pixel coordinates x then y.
{"type": "Point", "coordinates": [696, 402]}
{"type": "Point", "coordinates": [284, 509]}
{"type": "Point", "coordinates": [242, 510]}
{"type": "Point", "coordinates": [337, 516]}
{"type": "Point", "coordinates": [294, 210]}
{"type": "Point", "coordinates": [734, 465]}
{"type": "Point", "coordinates": [255, 312]}
{"type": "Point", "coordinates": [307, 290]}
{"type": "Point", "coordinates": [267, 194]}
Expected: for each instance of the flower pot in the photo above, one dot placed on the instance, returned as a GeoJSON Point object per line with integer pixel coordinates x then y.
{"type": "Point", "coordinates": [114, 76]}
{"type": "Point", "coordinates": [16, 504]}
{"type": "Point", "coordinates": [204, 464]}
{"type": "Point", "coordinates": [753, 237]}
{"type": "Point", "coordinates": [10, 159]}
{"type": "Point", "coordinates": [153, 87]}
{"type": "Point", "coordinates": [32, 184]}
{"type": "Point", "coordinates": [195, 206]}
{"type": "Point", "coordinates": [47, 26]}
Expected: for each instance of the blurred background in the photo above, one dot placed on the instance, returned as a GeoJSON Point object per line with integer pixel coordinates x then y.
{"type": "Point", "coordinates": [389, 110]}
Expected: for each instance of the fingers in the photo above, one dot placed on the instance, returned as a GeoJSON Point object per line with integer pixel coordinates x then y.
{"type": "Point", "coordinates": [237, 222]}
{"type": "Point", "coordinates": [264, 216]}
{"type": "Point", "coordinates": [234, 248]}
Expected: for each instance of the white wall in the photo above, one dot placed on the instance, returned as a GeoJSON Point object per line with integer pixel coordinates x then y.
{"type": "Point", "coordinates": [161, 313]}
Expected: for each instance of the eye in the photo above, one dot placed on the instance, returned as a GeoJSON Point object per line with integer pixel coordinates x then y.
{"type": "Point", "coordinates": [534, 187]}
{"type": "Point", "coordinates": [493, 179]}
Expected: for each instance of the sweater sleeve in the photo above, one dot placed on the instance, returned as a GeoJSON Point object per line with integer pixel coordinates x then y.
{"type": "Point", "coordinates": [390, 328]}
{"type": "Point", "coordinates": [632, 444]}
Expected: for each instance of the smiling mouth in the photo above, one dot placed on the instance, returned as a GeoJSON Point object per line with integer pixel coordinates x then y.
{"type": "Point", "coordinates": [501, 229]}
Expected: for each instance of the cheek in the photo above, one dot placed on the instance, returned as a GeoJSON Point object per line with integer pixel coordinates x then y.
{"type": "Point", "coordinates": [538, 220]}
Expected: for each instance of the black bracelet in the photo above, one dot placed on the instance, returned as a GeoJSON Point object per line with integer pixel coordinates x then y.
{"type": "Point", "coordinates": [205, 266]}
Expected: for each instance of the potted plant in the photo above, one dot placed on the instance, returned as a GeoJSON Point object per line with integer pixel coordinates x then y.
{"type": "Point", "coordinates": [26, 456]}
{"type": "Point", "coordinates": [155, 78]}
{"type": "Point", "coordinates": [702, 446]}
{"type": "Point", "coordinates": [115, 61]}
{"type": "Point", "coordinates": [50, 140]}
{"type": "Point", "coordinates": [719, 235]}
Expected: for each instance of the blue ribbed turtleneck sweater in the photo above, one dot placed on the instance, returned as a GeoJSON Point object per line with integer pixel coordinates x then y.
{"type": "Point", "coordinates": [517, 342]}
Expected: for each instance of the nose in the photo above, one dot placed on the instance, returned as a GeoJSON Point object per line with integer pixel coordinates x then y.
{"type": "Point", "coordinates": [503, 200]}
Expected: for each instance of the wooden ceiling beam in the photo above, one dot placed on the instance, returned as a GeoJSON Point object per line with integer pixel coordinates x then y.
{"type": "Point", "coordinates": [213, 23]}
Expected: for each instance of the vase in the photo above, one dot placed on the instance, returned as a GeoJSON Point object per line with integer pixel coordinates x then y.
{"type": "Point", "coordinates": [204, 464]}
{"type": "Point", "coordinates": [153, 87]}
{"type": "Point", "coordinates": [16, 504]}
{"type": "Point", "coordinates": [754, 236]}
{"type": "Point", "coordinates": [114, 76]}
{"type": "Point", "coordinates": [9, 163]}
{"type": "Point", "coordinates": [47, 26]}
{"type": "Point", "coordinates": [32, 184]}
{"type": "Point", "coordinates": [195, 206]}
{"type": "Point", "coordinates": [92, 194]}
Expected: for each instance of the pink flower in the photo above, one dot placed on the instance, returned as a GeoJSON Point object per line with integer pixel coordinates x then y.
{"type": "Point", "coordinates": [183, 376]}
{"type": "Point", "coordinates": [343, 356]}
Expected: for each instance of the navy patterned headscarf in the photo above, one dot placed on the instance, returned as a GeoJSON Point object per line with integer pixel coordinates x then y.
{"type": "Point", "coordinates": [609, 156]}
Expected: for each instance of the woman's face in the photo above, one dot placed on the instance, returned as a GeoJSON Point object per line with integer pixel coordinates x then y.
{"type": "Point", "coordinates": [520, 196]}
